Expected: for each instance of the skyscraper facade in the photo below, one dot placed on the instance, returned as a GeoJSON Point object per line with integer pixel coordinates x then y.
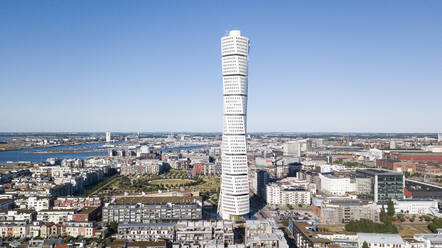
{"type": "Point", "coordinates": [234, 195]}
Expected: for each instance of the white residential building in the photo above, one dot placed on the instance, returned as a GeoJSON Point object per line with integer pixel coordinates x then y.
{"type": "Point", "coordinates": [234, 195]}
{"type": "Point", "coordinates": [20, 215]}
{"type": "Point", "coordinates": [337, 186]}
{"type": "Point", "coordinates": [378, 240]}
{"type": "Point", "coordinates": [55, 216]}
{"type": "Point", "coordinates": [264, 234]}
{"type": "Point", "coordinates": [429, 240]}
{"type": "Point", "coordinates": [33, 203]}
{"type": "Point", "coordinates": [279, 195]}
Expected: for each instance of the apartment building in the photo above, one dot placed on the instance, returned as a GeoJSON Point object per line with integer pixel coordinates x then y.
{"type": "Point", "coordinates": [204, 232]}
{"type": "Point", "coordinates": [81, 229]}
{"type": "Point", "coordinates": [340, 211]}
{"type": "Point", "coordinates": [337, 186]}
{"type": "Point", "coordinates": [146, 231]}
{"type": "Point", "coordinates": [76, 202]}
{"type": "Point", "coordinates": [381, 240]}
{"type": "Point", "coordinates": [264, 234]}
{"type": "Point", "coordinates": [18, 215]}
{"type": "Point", "coordinates": [150, 209]}
{"type": "Point", "coordinates": [279, 195]}
{"type": "Point", "coordinates": [55, 216]}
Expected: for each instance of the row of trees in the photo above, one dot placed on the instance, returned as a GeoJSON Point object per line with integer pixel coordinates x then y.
{"type": "Point", "coordinates": [386, 217]}
{"type": "Point", "coordinates": [368, 226]}
{"type": "Point", "coordinates": [364, 225]}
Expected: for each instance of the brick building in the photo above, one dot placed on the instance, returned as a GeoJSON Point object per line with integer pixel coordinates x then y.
{"type": "Point", "coordinates": [396, 165]}
{"type": "Point", "coordinates": [421, 157]}
{"type": "Point", "coordinates": [87, 214]}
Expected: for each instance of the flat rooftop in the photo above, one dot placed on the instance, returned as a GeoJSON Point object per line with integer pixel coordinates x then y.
{"type": "Point", "coordinates": [87, 210]}
{"type": "Point", "coordinates": [157, 224]}
{"type": "Point", "coordinates": [309, 233]}
{"type": "Point", "coordinates": [375, 172]}
{"type": "Point", "coordinates": [158, 200]}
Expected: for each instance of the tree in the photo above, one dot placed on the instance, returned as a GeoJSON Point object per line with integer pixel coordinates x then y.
{"type": "Point", "coordinates": [382, 214]}
{"type": "Point", "coordinates": [337, 161]}
{"type": "Point", "coordinates": [365, 245]}
{"type": "Point", "coordinates": [390, 208]}
{"type": "Point", "coordinates": [368, 226]}
{"type": "Point", "coordinates": [113, 227]}
{"type": "Point", "coordinates": [437, 223]}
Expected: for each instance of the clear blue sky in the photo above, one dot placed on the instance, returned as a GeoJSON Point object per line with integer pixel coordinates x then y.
{"type": "Point", "coordinates": [156, 66]}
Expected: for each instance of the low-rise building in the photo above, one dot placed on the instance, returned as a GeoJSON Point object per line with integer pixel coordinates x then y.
{"type": "Point", "coordinates": [416, 206]}
{"type": "Point", "coordinates": [381, 240]}
{"type": "Point", "coordinates": [81, 229]}
{"type": "Point", "coordinates": [341, 239]}
{"type": "Point", "coordinates": [396, 165]}
{"type": "Point", "coordinates": [147, 244]}
{"type": "Point", "coordinates": [305, 237]}
{"type": "Point", "coordinates": [38, 203]}
{"type": "Point", "coordinates": [76, 202]}
{"type": "Point", "coordinates": [204, 232]}
{"type": "Point", "coordinates": [429, 240]}
{"type": "Point", "coordinates": [55, 216]}
{"type": "Point", "coordinates": [18, 215]}
{"type": "Point", "coordinates": [87, 214]}
{"type": "Point", "coordinates": [265, 233]}
{"type": "Point", "coordinates": [144, 166]}
{"type": "Point", "coordinates": [51, 229]}
{"type": "Point", "coordinates": [14, 230]}
{"type": "Point", "coordinates": [6, 204]}
{"type": "Point", "coordinates": [146, 231]}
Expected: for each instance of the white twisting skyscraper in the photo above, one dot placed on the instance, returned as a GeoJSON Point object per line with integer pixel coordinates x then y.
{"type": "Point", "coordinates": [234, 196]}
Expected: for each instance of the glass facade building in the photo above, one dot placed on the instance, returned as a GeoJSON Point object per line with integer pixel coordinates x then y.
{"type": "Point", "coordinates": [380, 185]}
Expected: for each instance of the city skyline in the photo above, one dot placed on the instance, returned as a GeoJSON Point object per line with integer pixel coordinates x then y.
{"type": "Point", "coordinates": [325, 67]}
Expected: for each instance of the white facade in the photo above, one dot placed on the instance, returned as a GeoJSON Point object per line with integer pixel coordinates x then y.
{"type": "Point", "coordinates": [381, 240]}
{"type": "Point", "coordinates": [439, 137]}
{"type": "Point", "coordinates": [38, 203]}
{"type": "Point", "coordinates": [108, 137]}
{"type": "Point", "coordinates": [429, 240]}
{"type": "Point", "coordinates": [55, 216]}
{"type": "Point", "coordinates": [416, 206]}
{"type": "Point", "coordinates": [292, 148]}
{"type": "Point", "coordinates": [278, 195]}
{"type": "Point", "coordinates": [338, 186]}
{"type": "Point", "coordinates": [234, 197]}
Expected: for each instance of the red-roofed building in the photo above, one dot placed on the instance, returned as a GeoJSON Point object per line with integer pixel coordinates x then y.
{"type": "Point", "coordinates": [421, 157]}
